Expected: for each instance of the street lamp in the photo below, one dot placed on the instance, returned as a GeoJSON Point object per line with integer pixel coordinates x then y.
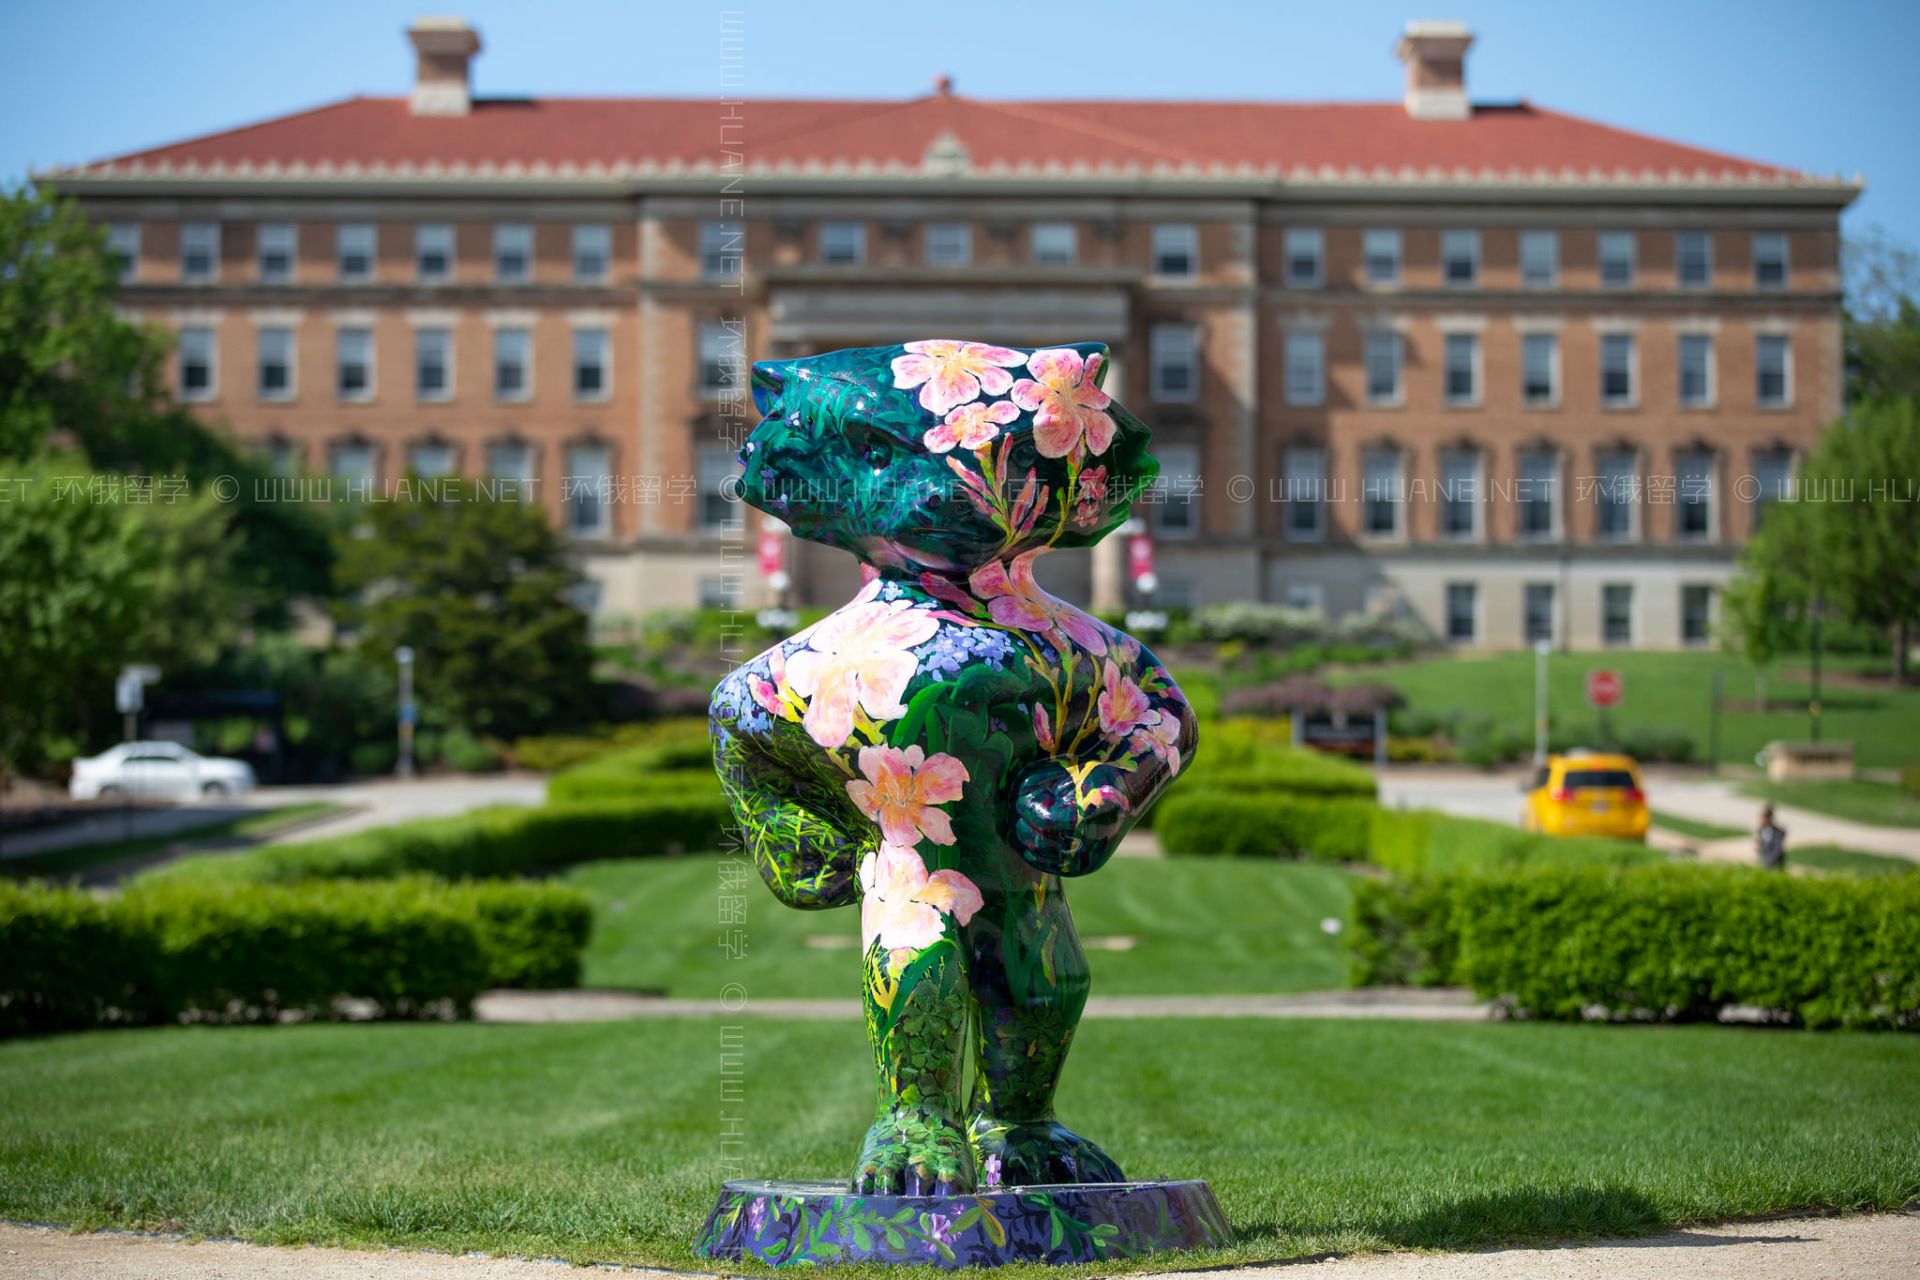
{"type": "Point", "coordinates": [1540, 650]}
{"type": "Point", "coordinates": [409, 714]}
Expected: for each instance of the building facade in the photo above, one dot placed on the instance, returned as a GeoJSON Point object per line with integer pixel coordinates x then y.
{"type": "Point", "coordinates": [1523, 375]}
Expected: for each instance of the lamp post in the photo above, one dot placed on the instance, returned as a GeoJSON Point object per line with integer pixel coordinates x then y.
{"type": "Point", "coordinates": [1540, 650]}
{"type": "Point", "coordinates": [408, 713]}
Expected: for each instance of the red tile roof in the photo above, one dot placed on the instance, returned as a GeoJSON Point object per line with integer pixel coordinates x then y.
{"type": "Point", "coordinates": [1376, 139]}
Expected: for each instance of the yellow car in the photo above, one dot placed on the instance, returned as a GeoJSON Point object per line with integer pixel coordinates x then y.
{"type": "Point", "coordinates": [1585, 793]}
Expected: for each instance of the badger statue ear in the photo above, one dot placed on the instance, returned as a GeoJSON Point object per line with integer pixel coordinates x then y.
{"type": "Point", "coordinates": [769, 379]}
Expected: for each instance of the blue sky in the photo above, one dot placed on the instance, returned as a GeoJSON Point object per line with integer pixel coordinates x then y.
{"type": "Point", "coordinates": [1823, 87]}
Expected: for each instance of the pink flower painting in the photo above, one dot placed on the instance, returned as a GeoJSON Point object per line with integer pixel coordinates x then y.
{"type": "Point", "coordinates": [971, 425]}
{"type": "Point", "coordinates": [902, 789]}
{"type": "Point", "coordinates": [1070, 418]}
{"type": "Point", "coordinates": [857, 658]}
{"type": "Point", "coordinates": [1123, 708]}
{"type": "Point", "coordinates": [901, 905]}
{"type": "Point", "coordinates": [1016, 600]}
{"type": "Point", "coordinates": [950, 374]}
{"type": "Point", "coordinates": [1160, 737]}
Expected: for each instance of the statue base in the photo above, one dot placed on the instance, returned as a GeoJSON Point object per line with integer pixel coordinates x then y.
{"type": "Point", "coordinates": [811, 1223]}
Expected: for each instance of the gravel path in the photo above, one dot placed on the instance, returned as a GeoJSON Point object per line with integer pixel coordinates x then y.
{"type": "Point", "coordinates": [1857, 1248]}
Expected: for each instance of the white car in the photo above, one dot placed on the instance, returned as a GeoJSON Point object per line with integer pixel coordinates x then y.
{"type": "Point", "coordinates": [157, 769]}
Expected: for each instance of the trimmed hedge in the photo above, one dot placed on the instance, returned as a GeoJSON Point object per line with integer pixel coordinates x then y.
{"type": "Point", "coordinates": [674, 753]}
{"type": "Point", "coordinates": [225, 953]}
{"type": "Point", "coordinates": [1417, 840]}
{"type": "Point", "coordinates": [1235, 751]}
{"type": "Point", "coordinates": [1674, 943]}
{"type": "Point", "coordinates": [1275, 824]}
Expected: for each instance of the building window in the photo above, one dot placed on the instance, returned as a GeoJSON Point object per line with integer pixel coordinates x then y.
{"type": "Point", "coordinates": [1616, 495]}
{"type": "Point", "coordinates": [1382, 355]}
{"type": "Point", "coordinates": [1054, 244]}
{"type": "Point", "coordinates": [1380, 492]}
{"type": "Point", "coordinates": [1538, 494]}
{"type": "Point", "coordinates": [283, 457]}
{"type": "Point", "coordinates": [1692, 259]}
{"type": "Point", "coordinates": [1175, 362]}
{"type": "Point", "coordinates": [1537, 612]}
{"type": "Point", "coordinates": [592, 252]}
{"type": "Point", "coordinates": [279, 247]}
{"type": "Point", "coordinates": [433, 253]}
{"type": "Point", "coordinates": [198, 375]}
{"type": "Point", "coordinates": [1460, 494]}
{"type": "Point", "coordinates": [587, 490]}
{"type": "Point", "coordinates": [353, 364]}
{"type": "Point", "coordinates": [430, 459]}
{"type": "Point", "coordinates": [1616, 259]}
{"type": "Point", "coordinates": [722, 353]}
{"type": "Point", "coordinates": [843, 244]}
{"type": "Point", "coordinates": [1307, 597]}
{"type": "Point", "coordinates": [1463, 612]}
{"type": "Point", "coordinates": [1306, 493]}
{"type": "Point", "coordinates": [1177, 513]}
{"type": "Point", "coordinates": [1773, 480]}
{"type": "Point", "coordinates": [1693, 496]}
{"type": "Point", "coordinates": [719, 496]}
{"type": "Point", "coordinates": [1381, 248]}
{"type": "Point", "coordinates": [1770, 260]}
{"type": "Point", "coordinates": [1176, 250]}
{"type": "Point", "coordinates": [510, 467]}
{"type": "Point", "coordinates": [1696, 613]}
{"type": "Point", "coordinates": [1461, 354]}
{"type": "Point", "coordinates": [1540, 369]}
{"type": "Point", "coordinates": [199, 252]}
{"type": "Point", "coordinates": [1616, 613]}
{"type": "Point", "coordinates": [948, 244]}
{"type": "Point", "coordinates": [1306, 254]}
{"type": "Point", "coordinates": [722, 245]}
{"type": "Point", "coordinates": [1618, 363]}
{"type": "Point", "coordinates": [1460, 258]}
{"type": "Point", "coordinates": [353, 249]}
{"type": "Point", "coordinates": [1539, 259]}
{"type": "Point", "coordinates": [1306, 366]}
{"type": "Point", "coordinates": [1772, 370]}
{"type": "Point", "coordinates": [1696, 370]}
{"type": "Point", "coordinates": [354, 465]}
{"type": "Point", "coordinates": [123, 249]}
{"type": "Point", "coordinates": [433, 364]}
{"type": "Point", "coordinates": [512, 364]}
{"type": "Point", "coordinates": [275, 347]}
{"type": "Point", "coordinates": [590, 373]}
{"type": "Point", "coordinates": [512, 253]}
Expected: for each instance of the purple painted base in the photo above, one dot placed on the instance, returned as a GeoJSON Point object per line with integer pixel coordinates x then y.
{"type": "Point", "coordinates": [810, 1223]}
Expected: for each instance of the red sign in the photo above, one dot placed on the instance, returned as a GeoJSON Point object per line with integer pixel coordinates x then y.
{"type": "Point", "coordinates": [1603, 689]}
{"type": "Point", "coordinates": [773, 551]}
{"type": "Point", "coordinates": [1139, 556]}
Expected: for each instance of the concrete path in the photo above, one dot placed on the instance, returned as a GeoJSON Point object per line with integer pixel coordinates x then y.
{"type": "Point", "coordinates": [1874, 1247]}
{"type": "Point", "coordinates": [1417, 1004]}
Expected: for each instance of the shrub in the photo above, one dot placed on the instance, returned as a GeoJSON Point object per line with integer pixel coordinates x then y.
{"type": "Point", "coordinates": [1403, 933]}
{"type": "Point", "coordinates": [225, 953]}
{"type": "Point", "coordinates": [1245, 748]}
{"type": "Point", "coordinates": [373, 759]}
{"type": "Point", "coordinates": [531, 933]}
{"type": "Point", "coordinates": [462, 751]}
{"type": "Point", "coordinates": [1910, 779]}
{"type": "Point", "coordinates": [678, 747]}
{"type": "Point", "coordinates": [1275, 824]}
{"type": "Point", "coordinates": [1421, 840]}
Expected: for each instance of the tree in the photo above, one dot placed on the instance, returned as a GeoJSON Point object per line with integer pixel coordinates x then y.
{"type": "Point", "coordinates": [481, 591]}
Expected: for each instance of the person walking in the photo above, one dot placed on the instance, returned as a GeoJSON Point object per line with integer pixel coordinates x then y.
{"type": "Point", "coordinates": [1771, 840]}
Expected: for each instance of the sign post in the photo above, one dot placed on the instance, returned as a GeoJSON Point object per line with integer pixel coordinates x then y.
{"type": "Point", "coordinates": [1603, 694]}
{"type": "Point", "coordinates": [409, 714]}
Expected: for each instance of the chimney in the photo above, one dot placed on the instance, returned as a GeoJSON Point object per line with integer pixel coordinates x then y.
{"type": "Point", "coordinates": [442, 80]}
{"type": "Point", "coordinates": [1436, 56]}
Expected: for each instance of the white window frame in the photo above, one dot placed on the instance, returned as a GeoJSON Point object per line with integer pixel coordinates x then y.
{"type": "Point", "coordinates": [1164, 341]}
{"type": "Point", "coordinates": [1397, 502]}
{"type": "Point", "coordinates": [723, 249]}
{"type": "Point", "coordinates": [604, 337]}
{"type": "Point", "coordinates": [291, 390]}
{"type": "Point", "coordinates": [371, 476]}
{"type": "Point", "coordinates": [1380, 335]}
{"type": "Point", "coordinates": [1450, 244]}
{"type": "Point", "coordinates": [1175, 240]}
{"type": "Point", "coordinates": [453, 458]}
{"type": "Point", "coordinates": [1786, 260]}
{"type": "Point", "coordinates": [1617, 239]}
{"type": "Point", "coordinates": [1552, 339]}
{"type": "Point", "coordinates": [1712, 594]}
{"type": "Point", "coordinates": [1374, 244]}
{"type": "Point", "coordinates": [586, 241]}
{"type": "Point", "coordinates": [1633, 621]}
{"type": "Point", "coordinates": [1629, 502]}
{"type": "Point", "coordinates": [1179, 462]}
{"type": "Point", "coordinates": [946, 245]}
{"type": "Point", "coordinates": [211, 353]}
{"type": "Point", "coordinates": [1527, 590]}
{"type": "Point", "coordinates": [425, 235]}
{"type": "Point", "coordinates": [1308, 245]}
{"type": "Point", "coordinates": [1315, 459]}
{"type": "Point", "coordinates": [1681, 469]}
{"type": "Point", "coordinates": [1703, 240]}
{"type": "Point", "coordinates": [346, 236]}
{"type": "Point", "coordinates": [420, 341]}
{"type": "Point", "coordinates": [1551, 239]}
{"type": "Point", "coordinates": [843, 244]}
{"type": "Point", "coordinates": [601, 490]}
{"type": "Point", "coordinates": [719, 337]}
{"type": "Point", "coordinates": [1710, 395]}
{"type": "Point", "coordinates": [209, 232]}
{"type": "Point", "coordinates": [512, 240]}
{"type": "Point", "coordinates": [1525, 496]}
{"type": "Point", "coordinates": [1067, 251]}
{"type": "Point", "coordinates": [1760, 341]}
{"type": "Point", "coordinates": [1474, 596]}
{"type": "Point", "coordinates": [1475, 500]}
{"type": "Point", "coordinates": [713, 463]}
{"type": "Point", "coordinates": [123, 245]}
{"type": "Point", "coordinates": [502, 336]}
{"type": "Point", "coordinates": [1475, 368]}
{"type": "Point", "coordinates": [1763, 459]}
{"type": "Point", "coordinates": [279, 238]}
{"type": "Point", "coordinates": [1631, 400]}
{"type": "Point", "coordinates": [1296, 341]}
{"type": "Point", "coordinates": [340, 363]}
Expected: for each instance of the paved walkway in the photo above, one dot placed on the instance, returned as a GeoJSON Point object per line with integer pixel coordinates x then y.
{"type": "Point", "coordinates": [1413, 1003]}
{"type": "Point", "coordinates": [1875, 1247]}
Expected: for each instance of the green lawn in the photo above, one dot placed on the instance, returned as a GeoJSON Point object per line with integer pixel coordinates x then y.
{"type": "Point", "coordinates": [1219, 926]}
{"type": "Point", "coordinates": [601, 1141]}
{"type": "Point", "coordinates": [77, 861]}
{"type": "Point", "coordinates": [1879, 804]}
{"type": "Point", "coordinates": [1855, 862]}
{"type": "Point", "coordinates": [1662, 691]}
{"type": "Point", "coordinates": [1694, 828]}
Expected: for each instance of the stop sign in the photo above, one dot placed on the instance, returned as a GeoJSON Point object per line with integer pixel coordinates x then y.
{"type": "Point", "coordinates": [1603, 688]}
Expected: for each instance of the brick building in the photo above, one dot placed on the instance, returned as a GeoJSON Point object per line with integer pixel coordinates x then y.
{"type": "Point", "coordinates": [1523, 374]}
